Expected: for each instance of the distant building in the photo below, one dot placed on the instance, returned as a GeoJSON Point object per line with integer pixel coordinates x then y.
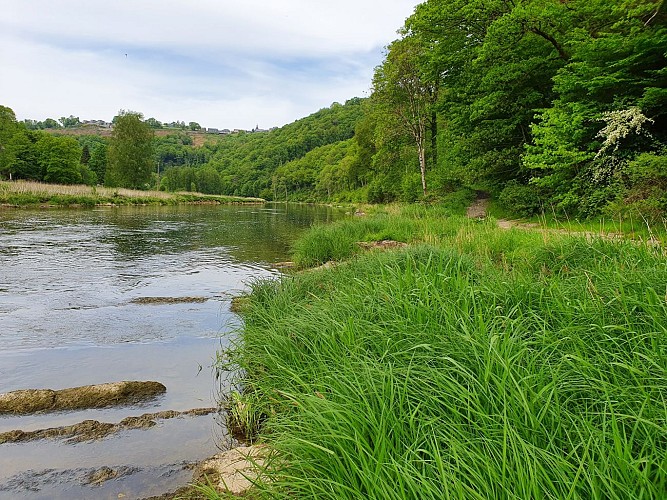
{"type": "Point", "coordinates": [211, 130]}
{"type": "Point", "coordinates": [97, 123]}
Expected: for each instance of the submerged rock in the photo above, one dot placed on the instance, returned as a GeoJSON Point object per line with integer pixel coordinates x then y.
{"type": "Point", "coordinates": [27, 401]}
{"type": "Point", "coordinates": [89, 430]}
{"type": "Point", "coordinates": [168, 300]}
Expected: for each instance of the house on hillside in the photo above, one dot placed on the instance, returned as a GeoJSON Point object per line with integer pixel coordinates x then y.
{"type": "Point", "coordinates": [96, 123]}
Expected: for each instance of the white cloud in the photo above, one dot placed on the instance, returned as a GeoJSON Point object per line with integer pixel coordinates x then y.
{"type": "Point", "coordinates": [221, 63]}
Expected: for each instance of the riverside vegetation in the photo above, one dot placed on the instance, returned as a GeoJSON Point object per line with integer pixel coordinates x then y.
{"type": "Point", "coordinates": [477, 363]}
{"type": "Point", "coordinates": [29, 193]}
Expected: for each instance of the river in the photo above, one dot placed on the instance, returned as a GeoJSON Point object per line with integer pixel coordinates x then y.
{"type": "Point", "coordinates": [71, 284]}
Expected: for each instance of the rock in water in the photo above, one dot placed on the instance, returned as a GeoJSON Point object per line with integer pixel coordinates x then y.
{"type": "Point", "coordinates": [78, 398]}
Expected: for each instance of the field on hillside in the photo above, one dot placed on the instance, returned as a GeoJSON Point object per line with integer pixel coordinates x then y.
{"type": "Point", "coordinates": [198, 138]}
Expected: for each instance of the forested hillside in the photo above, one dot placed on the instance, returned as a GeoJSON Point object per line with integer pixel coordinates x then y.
{"type": "Point", "coordinates": [258, 163]}
{"type": "Point", "coordinates": [550, 105]}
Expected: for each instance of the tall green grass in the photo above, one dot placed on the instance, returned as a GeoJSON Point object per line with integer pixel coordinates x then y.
{"type": "Point", "coordinates": [632, 223]}
{"type": "Point", "coordinates": [484, 364]}
{"type": "Point", "coordinates": [407, 224]}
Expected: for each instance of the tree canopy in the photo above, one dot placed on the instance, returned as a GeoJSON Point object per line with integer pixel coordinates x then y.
{"type": "Point", "coordinates": [556, 102]}
{"type": "Point", "coordinates": [130, 154]}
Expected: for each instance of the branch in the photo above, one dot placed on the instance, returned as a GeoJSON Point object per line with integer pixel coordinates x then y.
{"type": "Point", "coordinates": [654, 14]}
{"type": "Point", "coordinates": [561, 52]}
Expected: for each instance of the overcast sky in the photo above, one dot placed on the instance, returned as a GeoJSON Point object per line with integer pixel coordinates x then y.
{"type": "Point", "coordinates": [221, 63]}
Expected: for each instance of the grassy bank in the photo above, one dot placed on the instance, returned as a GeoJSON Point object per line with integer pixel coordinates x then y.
{"type": "Point", "coordinates": [30, 194]}
{"type": "Point", "coordinates": [632, 224]}
{"type": "Point", "coordinates": [477, 363]}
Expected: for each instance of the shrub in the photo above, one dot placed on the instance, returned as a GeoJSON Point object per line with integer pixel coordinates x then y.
{"type": "Point", "coordinates": [524, 200]}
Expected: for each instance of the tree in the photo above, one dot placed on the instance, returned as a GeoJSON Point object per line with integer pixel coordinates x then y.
{"type": "Point", "coordinates": [85, 155]}
{"type": "Point", "coordinates": [194, 126]}
{"type": "Point", "coordinates": [59, 158]}
{"type": "Point", "coordinates": [70, 122]}
{"type": "Point", "coordinates": [610, 107]}
{"type": "Point", "coordinates": [8, 129]}
{"type": "Point", "coordinates": [24, 156]}
{"type": "Point", "coordinates": [400, 88]}
{"type": "Point", "coordinates": [130, 154]}
{"type": "Point", "coordinates": [153, 123]}
{"type": "Point", "coordinates": [98, 161]}
{"type": "Point", "coordinates": [50, 123]}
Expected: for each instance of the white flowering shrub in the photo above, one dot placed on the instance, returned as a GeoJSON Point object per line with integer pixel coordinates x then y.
{"type": "Point", "coordinates": [619, 125]}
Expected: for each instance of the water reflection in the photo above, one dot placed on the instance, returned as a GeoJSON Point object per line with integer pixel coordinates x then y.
{"type": "Point", "coordinates": [67, 277]}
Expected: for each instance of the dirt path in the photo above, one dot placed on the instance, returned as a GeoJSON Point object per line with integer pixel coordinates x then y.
{"type": "Point", "coordinates": [479, 207]}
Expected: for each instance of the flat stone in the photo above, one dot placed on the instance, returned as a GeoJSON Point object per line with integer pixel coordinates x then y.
{"type": "Point", "coordinates": [89, 430]}
{"type": "Point", "coordinates": [28, 401]}
{"type": "Point", "coordinates": [233, 471]}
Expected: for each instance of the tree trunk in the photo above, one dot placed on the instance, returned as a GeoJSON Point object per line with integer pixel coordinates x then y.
{"type": "Point", "coordinates": [422, 164]}
{"type": "Point", "coordinates": [434, 139]}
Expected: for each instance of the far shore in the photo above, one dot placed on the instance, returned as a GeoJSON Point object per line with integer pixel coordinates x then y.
{"type": "Point", "coordinates": [19, 193]}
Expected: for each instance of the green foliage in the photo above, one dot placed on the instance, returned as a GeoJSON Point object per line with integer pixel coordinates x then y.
{"type": "Point", "coordinates": [496, 364]}
{"type": "Point", "coordinates": [243, 415]}
{"type": "Point", "coordinates": [521, 199]}
{"type": "Point", "coordinates": [70, 121]}
{"type": "Point", "coordinates": [175, 150]}
{"type": "Point", "coordinates": [550, 99]}
{"type": "Point", "coordinates": [24, 162]}
{"type": "Point", "coordinates": [248, 163]}
{"type": "Point", "coordinates": [205, 180]}
{"type": "Point", "coordinates": [646, 178]}
{"type": "Point", "coordinates": [153, 123]}
{"type": "Point", "coordinates": [8, 128]}
{"type": "Point", "coordinates": [596, 125]}
{"type": "Point", "coordinates": [404, 95]}
{"type": "Point", "coordinates": [562, 94]}
{"type": "Point", "coordinates": [130, 154]}
{"type": "Point", "coordinates": [59, 159]}
{"type": "Point", "coordinates": [98, 161]}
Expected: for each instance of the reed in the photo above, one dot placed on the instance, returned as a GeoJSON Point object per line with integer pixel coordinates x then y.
{"type": "Point", "coordinates": [27, 193]}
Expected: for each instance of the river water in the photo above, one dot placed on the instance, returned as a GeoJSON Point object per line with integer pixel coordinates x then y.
{"type": "Point", "coordinates": [70, 282]}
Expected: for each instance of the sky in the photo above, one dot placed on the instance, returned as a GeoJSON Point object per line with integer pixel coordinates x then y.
{"type": "Point", "coordinates": [220, 63]}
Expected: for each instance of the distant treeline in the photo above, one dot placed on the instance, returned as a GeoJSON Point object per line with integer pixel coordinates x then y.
{"type": "Point", "coordinates": [549, 105]}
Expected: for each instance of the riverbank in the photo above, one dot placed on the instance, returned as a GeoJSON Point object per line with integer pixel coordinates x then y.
{"type": "Point", "coordinates": [477, 362]}
{"type": "Point", "coordinates": [36, 194]}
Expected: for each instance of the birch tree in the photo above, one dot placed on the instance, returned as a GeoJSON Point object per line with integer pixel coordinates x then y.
{"type": "Point", "coordinates": [403, 92]}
